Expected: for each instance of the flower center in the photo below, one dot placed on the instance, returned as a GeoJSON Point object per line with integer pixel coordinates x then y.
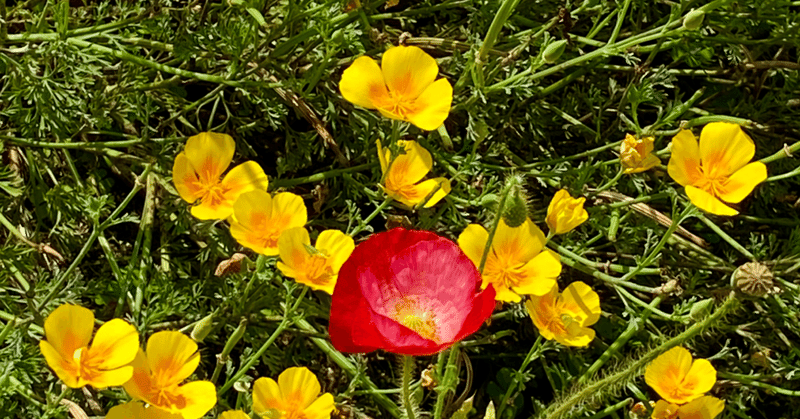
{"type": "Point", "coordinates": [397, 104]}
{"type": "Point", "coordinates": [423, 322]}
{"type": "Point", "coordinates": [318, 271]}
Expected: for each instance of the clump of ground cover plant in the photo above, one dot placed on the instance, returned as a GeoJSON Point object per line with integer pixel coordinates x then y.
{"type": "Point", "coordinates": [457, 209]}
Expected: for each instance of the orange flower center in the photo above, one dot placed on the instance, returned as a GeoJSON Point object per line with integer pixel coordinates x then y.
{"type": "Point", "coordinates": [265, 230]}
{"type": "Point", "coordinates": [208, 185]}
{"type": "Point", "coordinates": [409, 314]}
{"type": "Point", "coordinates": [318, 270]}
{"type": "Point", "coordinates": [85, 367]}
{"type": "Point", "coordinates": [711, 181]}
{"type": "Point", "coordinates": [504, 272]}
{"type": "Point", "coordinates": [168, 398]}
{"type": "Point", "coordinates": [396, 103]}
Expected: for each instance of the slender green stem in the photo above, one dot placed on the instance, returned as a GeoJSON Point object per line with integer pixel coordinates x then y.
{"type": "Point", "coordinates": [724, 236]}
{"type": "Point", "coordinates": [448, 382]}
{"type": "Point", "coordinates": [620, 18]}
{"type": "Point", "coordinates": [408, 371]}
{"type": "Point", "coordinates": [750, 381]}
{"type": "Point", "coordinates": [785, 152]}
{"type": "Point", "coordinates": [319, 177]}
{"type": "Point", "coordinates": [533, 353]}
{"type": "Point", "coordinates": [96, 230]}
{"type": "Point", "coordinates": [786, 175]}
{"type": "Point", "coordinates": [288, 311]}
{"type": "Point", "coordinates": [492, 34]}
{"type": "Point", "coordinates": [369, 218]}
{"type": "Point", "coordinates": [510, 183]}
{"type": "Point", "coordinates": [657, 249]}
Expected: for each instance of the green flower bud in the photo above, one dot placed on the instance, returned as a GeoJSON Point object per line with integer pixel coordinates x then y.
{"type": "Point", "coordinates": [202, 328]}
{"type": "Point", "coordinates": [701, 309]}
{"type": "Point", "coordinates": [516, 211]}
{"type": "Point", "coordinates": [553, 51]}
{"type": "Point", "coordinates": [694, 20]}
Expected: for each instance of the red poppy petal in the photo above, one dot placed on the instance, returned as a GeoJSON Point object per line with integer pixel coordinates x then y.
{"type": "Point", "coordinates": [408, 292]}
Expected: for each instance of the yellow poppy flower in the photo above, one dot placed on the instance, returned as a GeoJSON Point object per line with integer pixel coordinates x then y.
{"type": "Point", "coordinates": [234, 414]}
{"type": "Point", "coordinates": [295, 395]}
{"type": "Point", "coordinates": [318, 267]}
{"type": "Point", "coordinates": [136, 410]}
{"type": "Point", "coordinates": [259, 219]}
{"type": "Point", "coordinates": [104, 363]}
{"type": "Point", "coordinates": [401, 175]}
{"type": "Point", "coordinates": [636, 154]}
{"type": "Point", "coordinates": [717, 170]}
{"type": "Point", "coordinates": [517, 263]}
{"type": "Point", "coordinates": [566, 317]}
{"type": "Point", "coordinates": [705, 407]}
{"type": "Point", "coordinates": [171, 357]}
{"type": "Point", "coordinates": [677, 379]}
{"type": "Point", "coordinates": [402, 88]}
{"type": "Point", "coordinates": [565, 212]}
{"type": "Point", "coordinates": [197, 170]}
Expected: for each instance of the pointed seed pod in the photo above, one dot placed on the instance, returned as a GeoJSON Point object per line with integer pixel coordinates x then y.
{"type": "Point", "coordinates": [694, 20]}
{"type": "Point", "coordinates": [202, 328]}
{"type": "Point", "coordinates": [553, 51]}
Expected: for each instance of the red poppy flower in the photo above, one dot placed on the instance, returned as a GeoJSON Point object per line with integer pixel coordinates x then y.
{"type": "Point", "coordinates": [409, 292]}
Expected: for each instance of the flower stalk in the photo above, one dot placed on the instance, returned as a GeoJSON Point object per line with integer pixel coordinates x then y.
{"type": "Point", "coordinates": [408, 371]}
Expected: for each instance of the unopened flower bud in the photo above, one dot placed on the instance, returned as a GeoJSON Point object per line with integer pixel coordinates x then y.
{"type": "Point", "coordinates": [565, 212]}
{"type": "Point", "coordinates": [516, 209]}
{"type": "Point", "coordinates": [694, 19]}
{"type": "Point", "coordinates": [636, 154]}
{"type": "Point", "coordinates": [202, 328]}
{"type": "Point", "coordinates": [701, 309]}
{"type": "Point", "coordinates": [553, 51]}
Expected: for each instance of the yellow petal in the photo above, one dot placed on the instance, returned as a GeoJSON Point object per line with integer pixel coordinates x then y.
{"type": "Point", "coordinates": [503, 293]}
{"type": "Point", "coordinates": [540, 274]}
{"type": "Point", "coordinates": [648, 163]}
{"type": "Point", "coordinates": [64, 371]}
{"type": "Point", "coordinates": [699, 380]}
{"type": "Point", "coordinates": [172, 356]}
{"type": "Point", "coordinates": [321, 408]}
{"type": "Point", "coordinates": [724, 149]}
{"type": "Point", "coordinates": [246, 177]}
{"type": "Point", "coordinates": [292, 248]}
{"type": "Point", "coordinates": [472, 242]}
{"type": "Point", "coordinates": [665, 374]}
{"type": "Point", "coordinates": [130, 410]}
{"type": "Point", "coordinates": [517, 245]}
{"type": "Point", "coordinates": [742, 182]}
{"type": "Point", "coordinates": [684, 163]}
{"type": "Point", "coordinates": [408, 71]}
{"type": "Point", "coordinates": [253, 209]}
{"type": "Point", "coordinates": [664, 410]}
{"type": "Point", "coordinates": [210, 211]}
{"type": "Point", "coordinates": [289, 210]}
{"type": "Point", "coordinates": [705, 407]}
{"type": "Point", "coordinates": [707, 202]}
{"type": "Point", "coordinates": [140, 384]}
{"type": "Point", "coordinates": [543, 313]}
{"type": "Point", "coordinates": [210, 153]}
{"type": "Point", "coordinates": [576, 336]}
{"type": "Point", "coordinates": [115, 345]}
{"type": "Point", "coordinates": [362, 83]}
{"type": "Point", "coordinates": [410, 167]}
{"type": "Point", "coordinates": [383, 156]}
{"type": "Point", "coordinates": [417, 194]}
{"type": "Point", "coordinates": [266, 396]}
{"type": "Point", "coordinates": [337, 245]}
{"type": "Point", "coordinates": [68, 328]}
{"type": "Point", "coordinates": [299, 386]}
{"type": "Point", "coordinates": [185, 179]}
{"type": "Point", "coordinates": [433, 106]}
{"type": "Point", "coordinates": [200, 397]}
{"type": "Point", "coordinates": [233, 414]}
{"type": "Point", "coordinates": [581, 302]}
{"type": "Point", "coordinates": [111, 378]}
